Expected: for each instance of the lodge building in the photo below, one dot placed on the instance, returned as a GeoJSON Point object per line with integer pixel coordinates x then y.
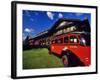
{"type": "Point", "coordinates": [61, 27]}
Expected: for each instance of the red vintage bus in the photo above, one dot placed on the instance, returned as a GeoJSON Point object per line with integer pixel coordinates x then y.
{"type": "Point", "coordinates": [73, 48]}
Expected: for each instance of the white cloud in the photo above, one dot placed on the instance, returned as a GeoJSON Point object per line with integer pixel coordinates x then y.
{"type": "Point", "coordinates": [50, 15]}
{"type": "Point", "coordinates": [60, 15]}
{"type": "Point", "coordinates": [29, 30]}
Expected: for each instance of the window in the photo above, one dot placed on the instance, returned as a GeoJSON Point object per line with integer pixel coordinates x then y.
{"type": "Point", "coordinates": [73, 39]}
{"type": "Point", "coordinates": [85, 40]}
{"type": "Point", "coordinates": [60, 40]}
{"type": "Point", "coordinates": [59, 32]}
{"type": "Point", "coordinates": [57, 41]}
{"type": "Point", "coordinates": [66, 39]}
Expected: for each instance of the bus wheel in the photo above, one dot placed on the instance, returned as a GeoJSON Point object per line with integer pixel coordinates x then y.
{"type": "Point", "coordinates": [65, 60]}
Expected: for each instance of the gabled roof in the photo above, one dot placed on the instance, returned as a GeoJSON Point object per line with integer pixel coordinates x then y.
{"type": "Point", "coordinates": [57, 23]}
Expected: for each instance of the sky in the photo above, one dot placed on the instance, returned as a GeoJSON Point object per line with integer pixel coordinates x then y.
{"type": "Point", "coordinates": [35, 22]}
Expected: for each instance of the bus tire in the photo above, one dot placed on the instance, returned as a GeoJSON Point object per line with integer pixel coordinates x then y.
{"type": "Point", "coordinates": [65, 60]}
{"type": "Point", "coordinates": [69, 59]}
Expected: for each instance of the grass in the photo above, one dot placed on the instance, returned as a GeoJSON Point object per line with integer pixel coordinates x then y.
{"type": "Point", "coordinates": [40, 58]}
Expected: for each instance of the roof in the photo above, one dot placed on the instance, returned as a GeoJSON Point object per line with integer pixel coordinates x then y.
{"type": "Point", "coordinates": [64, 19]}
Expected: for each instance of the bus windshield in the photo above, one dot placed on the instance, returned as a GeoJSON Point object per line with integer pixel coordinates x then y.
{"type": "Point", "coordinates": [85, 40]}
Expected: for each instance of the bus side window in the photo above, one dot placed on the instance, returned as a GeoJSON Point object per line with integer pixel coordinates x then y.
{"type": "Point", "coordinates": [60, 40]}
{"type": "Point", "coordinates": [73, 39]}
{"type": "Point", "coordinates": [66, 39]}
{"type": "Point", "coordinates": [85, 40]}
{"type": "Point", "coordinates": [54, 41]}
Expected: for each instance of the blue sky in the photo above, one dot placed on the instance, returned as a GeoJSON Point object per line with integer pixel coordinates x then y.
{"type": "Point", "coordinates": [35, 22]}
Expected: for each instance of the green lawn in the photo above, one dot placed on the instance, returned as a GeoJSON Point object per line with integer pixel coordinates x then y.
{"type": "Point", "coordinates": [40, 58]}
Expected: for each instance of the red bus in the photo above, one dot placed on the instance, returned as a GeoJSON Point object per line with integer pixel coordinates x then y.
{"type": "Point", "coordinates": [73, 48]}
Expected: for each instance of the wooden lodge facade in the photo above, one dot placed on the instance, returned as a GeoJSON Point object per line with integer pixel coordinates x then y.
{"type": "Point", "coordinates": [61, 27]}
